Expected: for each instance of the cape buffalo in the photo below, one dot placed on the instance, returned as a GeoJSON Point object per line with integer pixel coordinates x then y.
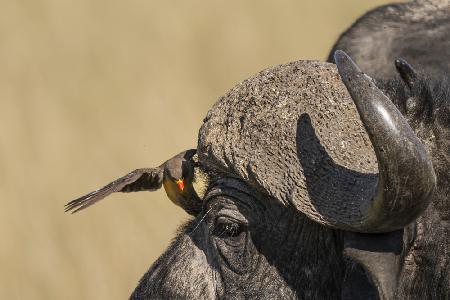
{"type": "Point", "coordinates": [293, 178]}
{"type": "Point", "coordinates": [316, 185]}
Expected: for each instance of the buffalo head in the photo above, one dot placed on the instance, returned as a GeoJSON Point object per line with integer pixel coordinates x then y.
{"type": "Point", "coordinates": [312, 175]}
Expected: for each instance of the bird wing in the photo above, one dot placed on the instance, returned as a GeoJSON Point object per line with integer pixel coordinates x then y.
{"type": "Point", "coordinates": [147, 179]}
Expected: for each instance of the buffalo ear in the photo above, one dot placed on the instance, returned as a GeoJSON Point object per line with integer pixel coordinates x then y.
{"type": "Point", "coordinates": [406, 72]}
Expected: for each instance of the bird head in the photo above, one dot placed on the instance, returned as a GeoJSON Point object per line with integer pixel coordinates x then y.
{"type": "Point", "coordinates": [184, 182]}
{"type": "Point", "coordinates": [180, 171]}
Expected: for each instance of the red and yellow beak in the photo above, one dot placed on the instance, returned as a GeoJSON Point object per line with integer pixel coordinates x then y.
{"type": "Point", "coordinates": [180, 184]}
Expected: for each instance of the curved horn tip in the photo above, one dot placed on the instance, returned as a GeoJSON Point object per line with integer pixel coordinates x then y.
{"type": "Point", "coordinates": [346, 66]}
{"type": "Point", "coordinates": [342, 58]}
{"type": "Point", "coordinates": [339, 55]}
{"type": "Point", "coordinates": [406, 71]}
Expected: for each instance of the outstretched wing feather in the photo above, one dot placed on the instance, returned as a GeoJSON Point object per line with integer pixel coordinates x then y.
{"type": "Point", "coordinates": [147, 179]}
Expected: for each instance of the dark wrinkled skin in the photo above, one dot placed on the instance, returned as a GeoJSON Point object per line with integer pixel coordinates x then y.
{"type": "Point", "coordinates": [261, 260]}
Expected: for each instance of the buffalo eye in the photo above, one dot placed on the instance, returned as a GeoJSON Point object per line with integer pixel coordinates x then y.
{"type": "Point", "coordinates": [226, 228]}
{"type": "Point", "coordinates": [230, 231]}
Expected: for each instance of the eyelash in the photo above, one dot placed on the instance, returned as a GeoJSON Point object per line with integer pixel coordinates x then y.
{"type": "Point", "coordinates": [228, 229]}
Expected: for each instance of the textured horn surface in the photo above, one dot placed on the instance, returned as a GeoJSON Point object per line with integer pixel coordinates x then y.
{"type": "Point", "coordinates": [294, 133]}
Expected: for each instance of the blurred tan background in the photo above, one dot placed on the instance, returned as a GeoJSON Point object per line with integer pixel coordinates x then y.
{"type": "Point", "coordinates": [90, 90]}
